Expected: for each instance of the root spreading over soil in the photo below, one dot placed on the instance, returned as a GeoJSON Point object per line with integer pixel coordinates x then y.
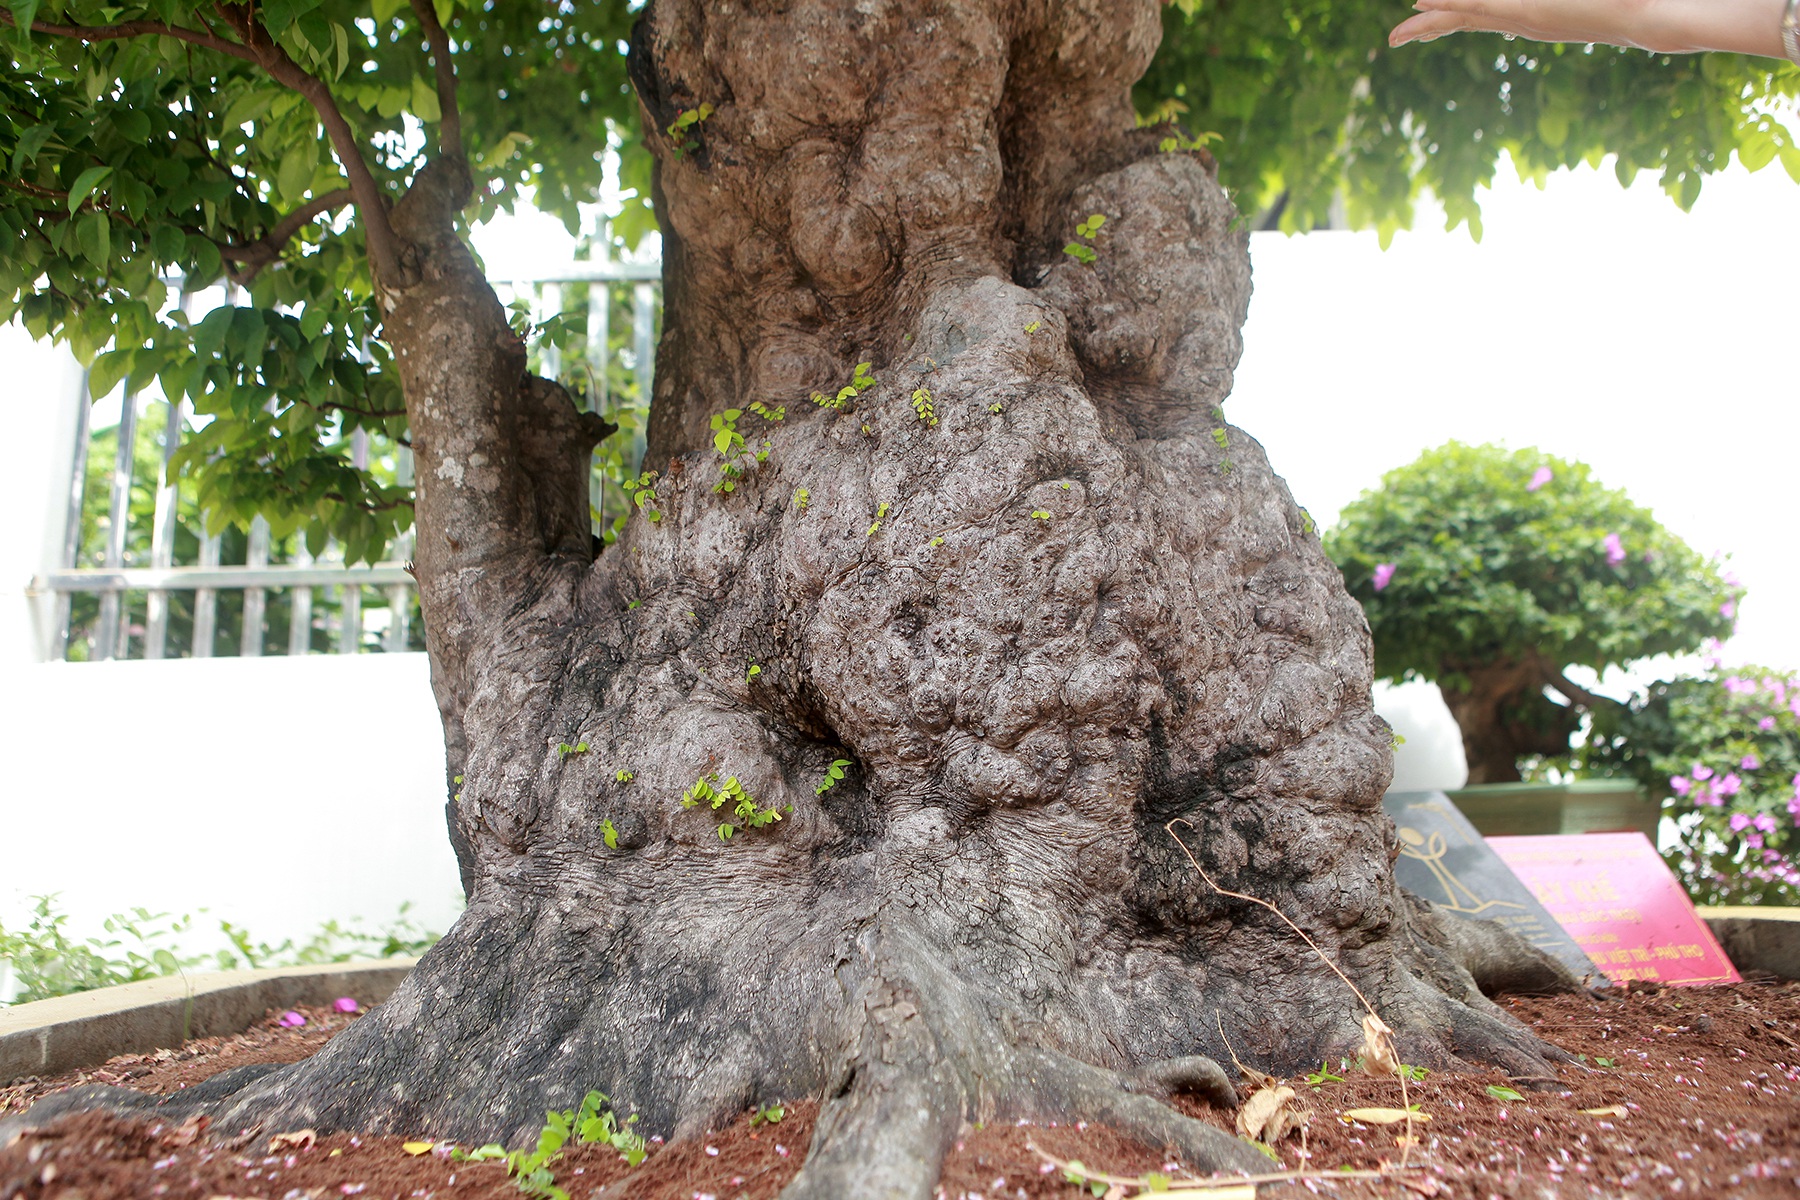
{"type": "Point", "coordinates": [1688, 1092]}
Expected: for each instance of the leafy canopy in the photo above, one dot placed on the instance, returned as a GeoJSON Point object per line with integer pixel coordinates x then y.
{"type": "Point", "coordinates": [1309, 101]}
{"type": "Point", "coordinates": [144, 142]}
{"type": "Point", "coordinates": [1488, 556]}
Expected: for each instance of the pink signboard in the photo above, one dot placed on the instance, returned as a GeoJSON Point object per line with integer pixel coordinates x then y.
{"type": "Point", "coordinates": [1615, 897]}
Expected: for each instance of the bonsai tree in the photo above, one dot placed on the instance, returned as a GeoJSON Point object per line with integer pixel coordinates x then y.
{"type": "Point", "coordinates": [1723, 750]}
{"type": "Point", "coordinates": [1491, 571]}
{"type": "Point", "coordinates": [867, 763]}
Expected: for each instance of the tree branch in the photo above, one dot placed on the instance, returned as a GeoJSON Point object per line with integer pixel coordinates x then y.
{"type": "Point", "coordinates": [1572, 692]}
{"type": "Point", "coordinates": [450, 140]}
{"type": "Point", "coordinates": [267, 248]}
{"type": "Point", "coordinates": [384, 250]}
{"type": "Point", "coordinates": [256, 47]}
{"type": "Point", "coordinates": [131, 29]}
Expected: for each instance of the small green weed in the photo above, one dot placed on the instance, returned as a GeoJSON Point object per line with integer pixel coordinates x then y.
{"type": "Point", "coordinates": [592, 1123]}
{"type": "Point", "coordinates": [833, 773]}
{"type": "Point", "coordinates": [752, 672]}
{"type": "Point", "coordinates": [860, 381]}
{"type": "Point", "coordinates": [1221, 437]}
{"type": "Point", "coordinates": [708, 790]}
{"type": "Point", "coordinates": [678, 128]}
{"type": "Point", "coordinates": [739, 458]}
{"type": "Point", "coordinates": [642, 491]}
{"type": "Point", "coordinates": [770, 1115]}
{"type": "Point", "coordinates": [1503, 1093]}
{"type": "Point", "coordinates": [1323, 1076]}
{"type": "Point", "coordinates": [771, 415]}
{"type": "Point", "coordinates": [880, 514]}
{"type": "Point", "coordinates": [624, 776]}
{"type": "Point", "coordinates": [1088, 230]}
{"type": "Point", "coordinates": [921, 401]}
{"type": "Point", "coordinates": [1199, 141]}
{"type": "Point", "coordinates": [1039, 514]}
{"type": "Point", "coordinates": [563, 749]}
{"type": "Point", "coordinates": [802, 497]}
{"type": "Point", "coordinates": [609, 833]}
{"type": "Point", "coordinates": [1034, 327]}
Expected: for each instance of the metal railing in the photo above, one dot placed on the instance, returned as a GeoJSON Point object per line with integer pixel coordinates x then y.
{"type": "Point", "coordinates": [115, 596]}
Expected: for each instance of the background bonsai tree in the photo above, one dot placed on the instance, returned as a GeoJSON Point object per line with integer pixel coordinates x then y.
{"type": "Point", "coordinates": [1724, 751]}
{"type": "Point", "coordinates": [1044, 609]}
{"type": "Point", "coordinates": [1491, 571]}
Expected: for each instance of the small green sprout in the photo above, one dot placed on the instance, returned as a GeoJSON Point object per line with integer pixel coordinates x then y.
{"type": "Point", "coordinates": [921, 401]}
{"type": "Point", "coordinates": [770, 1115]}
{"type": "Point", "coordinates": [563, 749]}
{"type": "Point", "coordinates": [1040, 515]}
{"type": "Point", "coordinates": [1086, 255]}
{"type": "Point", "coordinates": [879, 514]}
{"type": "Point", "coordinates": [752, 673]}
{"type": "Point", "coordinates": [1065, 487]}
{"type": "Point", "coordinates": [1087, 230]}
{"type": "Point", "coordinates": [936, 541]}
{"type": "Point", "coordinates": [996, 408]}
{"type": "Point", "coordinates": [686, 120]}
{"type": "Point", "coordinates": [802, 497]}
{"type": "Point", "coordinates": [708, 790]}
{"type": "Point", "coordinates": [1034, 327]}
{"type": "Point", "coordinates": [833, 773]}
{"type": "Point", "coordinates": [1221, 437]}
{"type": "Point", "coordinates": [1306, 521]}
{"type": "Point", "coordinates": [624, 776]}
{"type": "Point", "coordinates": [1199, 141]}
{"type": "Point", "coordinates": [1323, 1075]}
{"type": "Point", "coordinates": [609, 833]}
{"type": "Point", "coordinates": [860, 381]}
{"type": "Point", "coordinates": [778, 413]}
{"type": "Point", "coordinates": [643, 494]}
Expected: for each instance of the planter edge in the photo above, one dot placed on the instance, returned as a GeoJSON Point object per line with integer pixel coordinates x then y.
{"type": "Point", "coordinates": [47, 1037]}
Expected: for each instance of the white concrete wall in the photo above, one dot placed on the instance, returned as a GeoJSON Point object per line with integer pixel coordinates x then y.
{"type": "Point", "coordinates": [277, 793]}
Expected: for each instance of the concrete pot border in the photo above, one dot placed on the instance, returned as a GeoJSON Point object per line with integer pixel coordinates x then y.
{"type": "Point", "coordinates": [1758, 939]}
{"type": "Point", "coordinates": [47, 1037]}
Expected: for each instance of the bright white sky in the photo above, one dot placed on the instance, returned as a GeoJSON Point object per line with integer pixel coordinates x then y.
{"type": "Point", "coordinates": [1598, 322]}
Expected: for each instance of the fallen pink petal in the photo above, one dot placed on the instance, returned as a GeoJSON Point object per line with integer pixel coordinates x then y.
{"type": "Point", "coordinates": [290, 1020]}
{"type": "Point", "coordinates": [346, 1004]}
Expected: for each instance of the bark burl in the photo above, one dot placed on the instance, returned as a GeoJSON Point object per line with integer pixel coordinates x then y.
{"type": "Point", "coordinates": [1070, 607]}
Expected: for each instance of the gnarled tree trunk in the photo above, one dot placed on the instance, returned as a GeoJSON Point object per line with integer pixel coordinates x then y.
{"type": "Point", "coordinates": [1070, 607]}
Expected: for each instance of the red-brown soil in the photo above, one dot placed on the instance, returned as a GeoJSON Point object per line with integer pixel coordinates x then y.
{"type": "Point", "coordinates": [1707, 1078]}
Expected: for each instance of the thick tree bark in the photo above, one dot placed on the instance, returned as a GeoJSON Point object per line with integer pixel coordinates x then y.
{"type": "Point", "coordinates": [1503, 715]}
{"type": "Point", "coordinates": [1073, 608]}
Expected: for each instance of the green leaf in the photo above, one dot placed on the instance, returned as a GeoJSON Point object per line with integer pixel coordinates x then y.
{"type": "Point", "coordinates": [85, 183]}
{"type": "Point", "coordinates": [425, 101]}
{"type": "Point", "coordinates": [1503, 1093]}
{"type": "Point", "coordinates": [94, 233]}
{"type": "Point", "coordinates": [385, 10]}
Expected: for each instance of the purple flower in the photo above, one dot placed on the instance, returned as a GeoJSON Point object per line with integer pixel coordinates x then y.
{"type": "Point", "coordinates": [1615, 550]}
{"type": "Point", "coordinates": [1753, 840]}
{"type": "Point", "coordinates": [1679, 784]}
{"type": "Point", "coordinates": [1730, 785]}
{"type": "Point", "coordinates": [1740, 822]}
{"type": "Point", "coordinates": [1384, 574]}
{"type": "Point", "coordinates": [1701, 772]}
{"type": "Point", "coordinates": [1763, 822]}
{"type": "Point", "coordinates": [346, 1004]}
{"type": "Point", "coordinates": [1766, 724]}
{"type": "Point", "coordinates": [1728, 610]}
{"type": "Point", "coordinates": [1749, 762]}
{"type": "Point", "coordinates": [1540, 478]}
{"type": "Point", "coordinates": [290, 1020]}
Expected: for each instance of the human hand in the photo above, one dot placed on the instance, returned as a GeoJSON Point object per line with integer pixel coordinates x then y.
{"type": "Point", "coordinates": [1666, 26]}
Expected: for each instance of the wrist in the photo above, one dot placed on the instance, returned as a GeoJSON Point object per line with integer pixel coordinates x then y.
{"type": "Point", "coordinates": [1735, 27]}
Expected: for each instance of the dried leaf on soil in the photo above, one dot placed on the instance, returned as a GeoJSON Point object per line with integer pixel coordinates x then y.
{"type": "Point", "coordinates": [1378, 1047]}
{"type": "Point", "coordinates": [415, 1148]}
{"type": "Point", "coordinates": [1611, 1110]}
{"type": "Point", "coordinates": [185, 1133]}
{"type": "Point", "coordinates": [1383, 1116]}
{"type": "Point", "coordinates": [1266, 1115]}
{"type": "Point", "coordinates": [299, 1139]}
